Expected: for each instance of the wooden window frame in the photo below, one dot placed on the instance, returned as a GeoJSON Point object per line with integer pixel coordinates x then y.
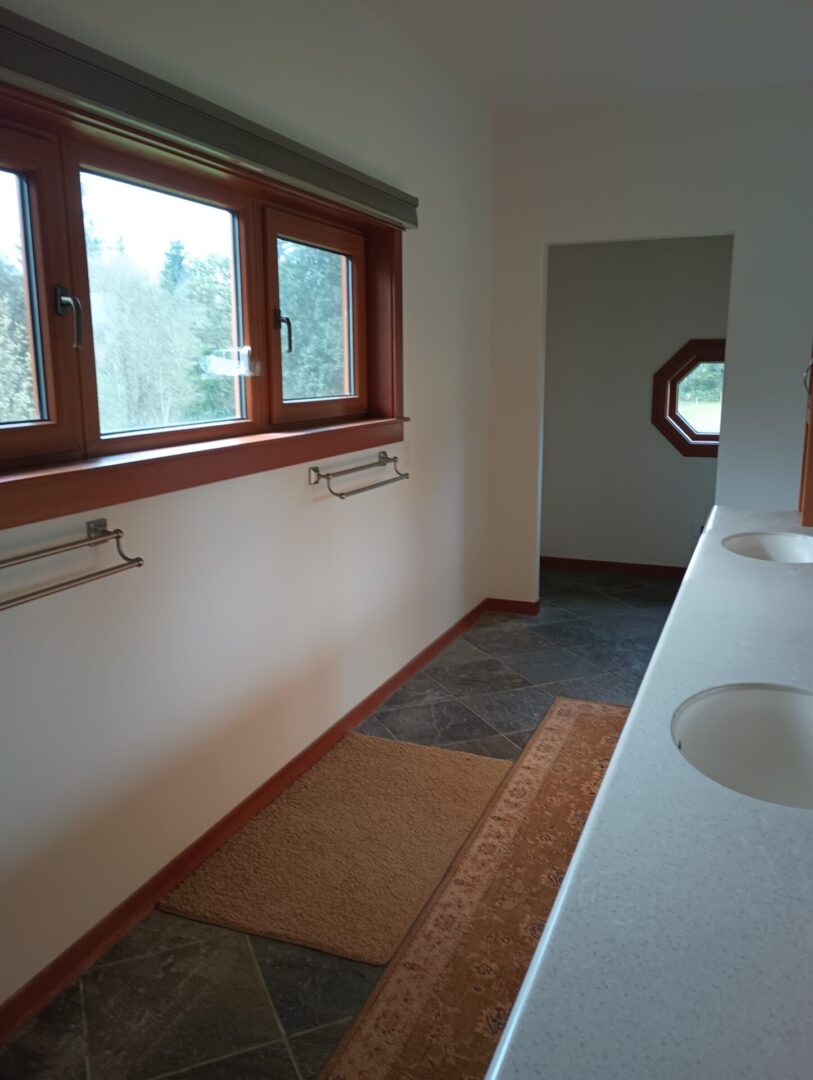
{"type": "Point", "coordinates": [36, 157]}
{"type": "Point", "coordinates": [665, 415]}
{"type": "Point", "coordinates": [52, 468]}
{"type": "Point", "coordinates": [86, 157]}
{"type": "Point", "coordinates": [287, 226]}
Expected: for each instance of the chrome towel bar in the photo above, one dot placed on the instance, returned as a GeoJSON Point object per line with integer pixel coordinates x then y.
{"type": "Point", "coordinates": [315, 474]}
{"type": "Point", "coordinates": [97, 533]}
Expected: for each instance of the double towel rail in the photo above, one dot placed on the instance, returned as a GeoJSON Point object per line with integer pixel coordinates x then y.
{"type": "Point", "coordinates": [315, 474]}
{"type": "Point", "coordinates": [97, 533]}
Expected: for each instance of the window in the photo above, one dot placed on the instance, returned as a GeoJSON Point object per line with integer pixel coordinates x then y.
{"type": "Point", "coordinates": [318, 313]}
{"type": "Point", "coordinates": [39, 388]}
{"type": "Point", "coordinates": [321, 366]}
{"type": "Point", "coordinates": [164, 300]}
{"type": "Point", "coordinates": [21, 381]}
{"type": "Point", "coordinates": [700, 398]}
{"type": "Point", "coordinates": [151, 299]}
{"type": "Point", "coordinates": [687, 397]}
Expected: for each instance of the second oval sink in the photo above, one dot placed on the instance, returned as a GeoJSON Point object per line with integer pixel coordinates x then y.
{"type": "Point", "coordinates": [756, 739]}
{"type": "Point", "coordinates": [772, 547]}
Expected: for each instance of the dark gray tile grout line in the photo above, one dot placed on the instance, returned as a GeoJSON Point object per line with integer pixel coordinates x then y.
{"type": "Point", "coordinates": [274, 1012]}
{"type": "Point", "coordinates": [601, 671]}
{"type": "Point", "coordinates": [465, 742]}
{"type": "Point", "coordinates": [215, 1060]}
{"type": "Point", "coordinates": [330, 1023]}
{"type": "Point", "coordinates": [216, 933]}
{"type": "Point", "coordinates": [460, 742]}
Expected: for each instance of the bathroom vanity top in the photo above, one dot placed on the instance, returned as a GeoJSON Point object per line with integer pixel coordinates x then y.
{"type": "Point", "coordinates": [681, 943]}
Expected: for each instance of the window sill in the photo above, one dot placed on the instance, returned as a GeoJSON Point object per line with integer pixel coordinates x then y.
{"type": "Point", "coordinates": [71, 487]}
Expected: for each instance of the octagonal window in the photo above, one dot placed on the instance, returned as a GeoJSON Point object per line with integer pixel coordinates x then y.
{"type": "Point", "coordinates": [687, 397]}
{"type": "Point", "coordinates": [700, 398]}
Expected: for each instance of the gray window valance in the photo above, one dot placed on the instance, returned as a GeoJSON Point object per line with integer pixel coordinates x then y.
{"type": "Point", "coordinates": [37, 57]}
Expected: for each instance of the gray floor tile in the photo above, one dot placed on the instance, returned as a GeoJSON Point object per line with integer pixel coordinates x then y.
{"type": "Point", "coordinates": [610, 688]}
{"type": "Point", "coordinates": [502, 637]}
{"type": "Point", "coordinates": [482, 677]}
{"type": "Point", "coordinates": [550, 615]}
{"type": "Point", "coordinates": [645, 598]}
{"type": "Point", "coordinates": [596, 605]}
{"type": "Point", "coordinates": [619, 655]}
{"type": "Point", "coordinates": [648, 637]}
{"type": "Point", "coordinates": [512, 710]}
{"type": "Point", "coordinates": [51, 1046]}
{"type": "Point", "coordinates": [664, 585]}
{"type": "Point", "coordinates": [265, 1063]}
{"type": "Point", "coordinates": [419, 690]}
{"type": "Point", "coordinates": [551, 664]}
{"type": "Point", "coordinates": [175, 1009]}
{"type": "Point", "coordinates": [314, 1049]}
{"type": "Point", "coordinates": [608, 583]}
{"type": "Point", "coordinates": [311, 988]}
{"type": "Point", "coordinates": [558, 593]}
{"type": "Point", "coordinates": [459, 652]}
{"type": "Point", "coordinates": [440, 722]}
{"type": "Point", "coordinates": [638, 627]}
{"type": "Point", "coordinates": [576, 632]}
{"type": "Point", "coordinates": [496, 746]}
{"type": "Point", "coordinates": [373, 726]}
{"type": "Point", "coordinates": [160, 931]}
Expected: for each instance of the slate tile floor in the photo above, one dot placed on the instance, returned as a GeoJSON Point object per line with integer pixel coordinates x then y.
{"type": "Point", "coordinates": [175, 998]}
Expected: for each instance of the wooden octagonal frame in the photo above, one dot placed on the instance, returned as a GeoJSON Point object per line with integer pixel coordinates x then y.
{"type": "Point", "coordinates": [665, 415]}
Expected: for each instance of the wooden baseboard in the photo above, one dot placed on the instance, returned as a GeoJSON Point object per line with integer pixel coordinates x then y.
{"type": "Point", "coordinates": [596, 566]}
{"type": "Point", "coordinates": [513, 607]}
{"type": "Point", "coordinates": [70, 964]}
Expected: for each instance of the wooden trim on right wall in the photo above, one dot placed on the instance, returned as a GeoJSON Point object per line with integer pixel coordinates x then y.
{"type": "Point", "coordinates": [806, 489]}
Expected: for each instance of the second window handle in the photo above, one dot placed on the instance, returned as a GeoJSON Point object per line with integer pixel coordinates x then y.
{"type": "Point", "coordinates": [280, 320]}
{"type": "Point", "coordinates": [64, 303]}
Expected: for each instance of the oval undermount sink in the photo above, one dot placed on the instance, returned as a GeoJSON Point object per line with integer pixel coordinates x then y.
{"type": "Point", "coordinates": [772, 546]}
{"type": "Point", "coordinates": [755, 739]}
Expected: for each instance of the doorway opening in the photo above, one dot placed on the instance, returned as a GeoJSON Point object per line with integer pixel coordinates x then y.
{"type": "Point", "coordinates": [615, 490]}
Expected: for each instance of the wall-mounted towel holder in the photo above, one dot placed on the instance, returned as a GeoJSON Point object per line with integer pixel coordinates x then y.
{"type": "Point", "coordinates": [97, 533]}
{"type": "Point", "coordinates": [315, 475]}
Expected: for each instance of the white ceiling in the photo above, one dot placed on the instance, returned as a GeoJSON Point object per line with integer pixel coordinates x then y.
{"type": "Point", "coordinates": [552, 52]}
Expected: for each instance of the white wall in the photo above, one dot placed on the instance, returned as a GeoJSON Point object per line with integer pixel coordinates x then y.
{"type": "Point", "coordinates": [613, 488]}
{"type": "Point", "coordinates": [716, 164]}
{"type": "Point", "coordinates": [136, 711]}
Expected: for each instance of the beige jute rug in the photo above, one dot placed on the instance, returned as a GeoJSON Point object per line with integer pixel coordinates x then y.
{"type": "Point", "coordinates": [438, 1011]}
{"type": "Point", "coordinates": [347, 857]}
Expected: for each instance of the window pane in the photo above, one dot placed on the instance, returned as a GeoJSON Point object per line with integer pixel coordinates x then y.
{"type": "Point", "coordinates": [163, 294]}
{"type": "Point", "coordinates": [20, 352]}
{"type": "Point", "coordinates": [314, 293]}
{"type": "Point", "coordinates": [700, 398]}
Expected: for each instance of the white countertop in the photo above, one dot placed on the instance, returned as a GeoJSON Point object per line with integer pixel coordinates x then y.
{"type": "Point", "coordinates": [681, 944]}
